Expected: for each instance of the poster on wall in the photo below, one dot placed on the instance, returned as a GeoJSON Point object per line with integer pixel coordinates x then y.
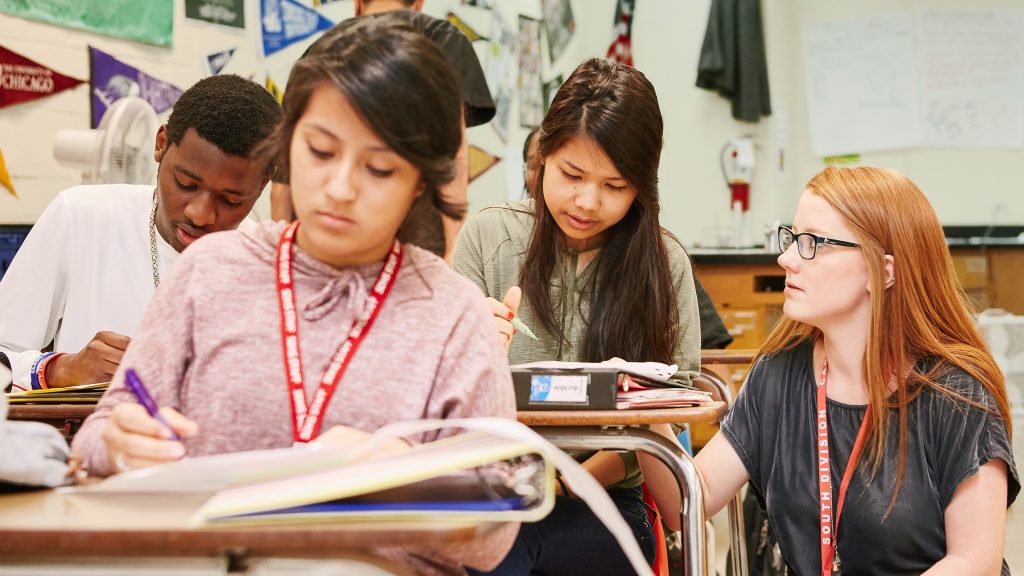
{"type": "Point", "coordinates": [216, 62]}
{"type": "Point", "coordinates": [225, 12]}
{"type": "Point", "coordinates": [531, 96]}
{"type": "Point", "coordinates": [286, 22]}
{"type": "Point", "coordinates": [499, 71]}
{"type": "Point", "coordinates": [559, 24]}
{"type": "Point", "coordinates": [149, 22]}
{"type": "Point", "coordinates": [970, 77]}
{"type": "Point", "coordinates": [110, 80]}
{"type": "Point", "coordinates": [550, 89]}
{"type": "Point", "coordinates": [22, 79]}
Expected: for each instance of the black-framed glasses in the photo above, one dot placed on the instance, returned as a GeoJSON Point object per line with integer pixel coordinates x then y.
{"type": "Point", "coordinates": [807, 243]}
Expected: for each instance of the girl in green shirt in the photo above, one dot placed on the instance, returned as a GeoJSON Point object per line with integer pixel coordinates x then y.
{"type": "Point", "coordinates": [599, 279]}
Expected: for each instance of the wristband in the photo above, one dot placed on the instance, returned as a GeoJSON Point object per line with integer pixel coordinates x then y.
{"type": "Point", "coordinates": [39, 369]}
{"type": "Point", "coordinates": [37, 366]}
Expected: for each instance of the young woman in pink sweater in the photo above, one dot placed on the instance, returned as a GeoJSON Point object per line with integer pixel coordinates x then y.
{"type": "Point", "coordinates": [236, 340]}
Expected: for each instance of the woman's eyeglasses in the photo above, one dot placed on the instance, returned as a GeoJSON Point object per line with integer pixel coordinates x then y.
{"type": "Point", "coordinates": [807, 243]}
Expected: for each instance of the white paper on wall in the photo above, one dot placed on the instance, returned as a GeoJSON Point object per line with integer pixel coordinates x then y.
{"type": "Point", "coordinates": [972, 77]}
{"type": "Point", "coordinates": [937, 78]}
{"type": "Point", "coordinates": [861, 84]}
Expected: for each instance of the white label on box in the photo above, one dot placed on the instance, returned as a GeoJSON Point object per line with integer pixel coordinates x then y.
{"type": "Point", "coordinates": [559, 388]}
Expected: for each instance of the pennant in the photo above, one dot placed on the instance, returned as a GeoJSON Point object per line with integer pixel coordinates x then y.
{"type": "Point", "coordinates": [5, 177]}
{"type": "Point", "coordinates": [285, 22]}
{"type": "Point", "coordinates": [276, 92]}
{"type": "Point", "coordinates": [110, 79]}
{"type": "Point", "coordinates": [217, 61]}
{"type": "Point", "coordinates": [224, 12]}
{"type": "Point", "coordinates": [22, 79]}
{"type": "Point", "coordinates": [480, 161]}
{"type": "Point", "coordinates": [465, 28]}
{"type": "Point", "coordinates": [621, 48]}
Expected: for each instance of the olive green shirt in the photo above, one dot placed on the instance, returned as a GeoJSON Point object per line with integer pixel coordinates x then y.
{"type": "Point", "coordinates": [490, 250]}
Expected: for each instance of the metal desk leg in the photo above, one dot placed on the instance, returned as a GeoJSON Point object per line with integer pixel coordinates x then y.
{"type": "Point", "coordinates": [737, 537]}
{"type": "Point", "coordinates": [695, 561]}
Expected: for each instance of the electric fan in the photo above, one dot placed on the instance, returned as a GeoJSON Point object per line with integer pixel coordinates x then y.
{"type": "Point", "coordinates": [119, 151]}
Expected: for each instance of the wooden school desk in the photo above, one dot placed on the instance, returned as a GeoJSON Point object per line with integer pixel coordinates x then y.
{"type": "Point", "coordinates": [727, 356]}
{"type": "Point", "coordinates": [45, 525]}
{"type": "Point", "coordinates": [627, 430]}
{"type": "Point", "coordinates": [66, 418]}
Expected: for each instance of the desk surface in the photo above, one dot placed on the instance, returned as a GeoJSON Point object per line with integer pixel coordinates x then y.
{"type": "Point", "coordinates": [706, 413]}
{"type": "Point", "coordinates": [55, 524]}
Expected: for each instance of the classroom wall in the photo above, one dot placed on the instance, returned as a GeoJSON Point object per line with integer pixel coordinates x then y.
{"type": "Point", "coordinates": [667, 38]}
{"type": "Point", "coordinates": [966, 186]}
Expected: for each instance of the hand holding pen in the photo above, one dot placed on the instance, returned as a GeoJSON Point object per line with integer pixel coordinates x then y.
{"type": "Point", "coordinates": [135, 385]}
{"type": "Point", "coordinates": [506, 316]}
{"type": "Point", "coordinates": [142, 434]}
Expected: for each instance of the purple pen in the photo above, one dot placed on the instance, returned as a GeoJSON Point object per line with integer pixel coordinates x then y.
{"type": "Point", "coordinates": [132, 381]}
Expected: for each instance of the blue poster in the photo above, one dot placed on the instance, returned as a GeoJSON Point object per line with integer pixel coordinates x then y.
{"type": "Point", "coordinates": [110, 79]}
{"type": "Point", "coordinates": [286, 22]}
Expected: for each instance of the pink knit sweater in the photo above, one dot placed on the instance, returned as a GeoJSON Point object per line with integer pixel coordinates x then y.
{"type": "Point", "coordinates": [210, 347]}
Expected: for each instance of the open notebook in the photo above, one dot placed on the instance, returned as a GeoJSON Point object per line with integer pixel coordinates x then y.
{"type": "Point", "coordinates": [469, 476]}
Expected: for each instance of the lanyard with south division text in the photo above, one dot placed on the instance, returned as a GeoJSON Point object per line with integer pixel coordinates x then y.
{"type": "Point", "coordinates": [830, 562]}
{"type": "Point", "coordinates": [307, 419]}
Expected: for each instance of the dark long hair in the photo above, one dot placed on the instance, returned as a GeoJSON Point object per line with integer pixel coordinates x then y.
{"type": "Point", "coordinates": [633, 312]}
{"type": "Point", "coordinates": [399, 83]}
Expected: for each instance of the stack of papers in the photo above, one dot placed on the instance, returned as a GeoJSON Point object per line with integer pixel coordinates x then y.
{"type": "Point", "coordinates": [81, 394]}
{"type": "Point", "coordinates": [632, 395]}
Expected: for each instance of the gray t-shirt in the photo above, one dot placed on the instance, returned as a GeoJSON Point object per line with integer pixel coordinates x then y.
{"type": "Point", "coordinates": [772, 429]}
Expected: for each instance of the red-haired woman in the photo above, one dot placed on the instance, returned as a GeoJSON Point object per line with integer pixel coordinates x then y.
{"type": "Point", "coordinates": [875, 404]}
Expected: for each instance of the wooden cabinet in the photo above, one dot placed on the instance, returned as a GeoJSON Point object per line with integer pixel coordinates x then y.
{"type": "Point", "coordinates": [992, 276]}
{"type": "Point", "coordinates": [747, 296]}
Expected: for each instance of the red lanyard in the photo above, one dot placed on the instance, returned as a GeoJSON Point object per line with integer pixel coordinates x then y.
{"type": "Point", "coordinates": [830, 563]}
{"type": "Point", "coordinates": [306, 419]}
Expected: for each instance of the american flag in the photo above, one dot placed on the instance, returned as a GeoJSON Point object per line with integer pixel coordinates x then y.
{"type": "Point", "coordinates": [621, 48]}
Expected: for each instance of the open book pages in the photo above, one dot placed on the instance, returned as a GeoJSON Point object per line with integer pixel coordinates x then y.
{"type": "Point", "coordinates": [650, 370]}
{"type": "Point", "coordinates": [495, 470]}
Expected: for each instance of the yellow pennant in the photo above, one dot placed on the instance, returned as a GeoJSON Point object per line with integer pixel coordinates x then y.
{"type": "Point", "coordinates": [5, 177]}
{"type": "Point", "coordinates": [480, 161]}
{"type": "Point", "coordinates": [274, 90]}
{"type": "Point", "coordinates": [465, 28]}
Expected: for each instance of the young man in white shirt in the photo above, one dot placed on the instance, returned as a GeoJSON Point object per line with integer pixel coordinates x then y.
{"type": "Point", "coordinates": [90, 265]}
